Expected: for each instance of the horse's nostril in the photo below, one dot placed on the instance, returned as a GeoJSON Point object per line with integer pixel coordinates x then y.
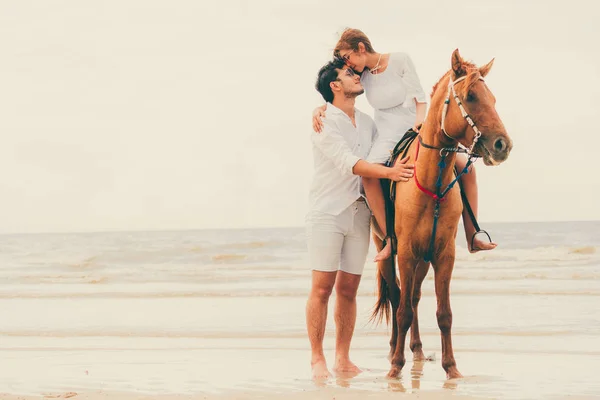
{"type": "Point", "coordinates": [499, 145]}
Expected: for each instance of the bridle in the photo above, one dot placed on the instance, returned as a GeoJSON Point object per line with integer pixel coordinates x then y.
{"type": "Point", "coordinates": [464, 113]}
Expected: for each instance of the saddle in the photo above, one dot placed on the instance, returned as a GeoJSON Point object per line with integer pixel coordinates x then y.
{"type": "Point", "coordinates": [388, 186]}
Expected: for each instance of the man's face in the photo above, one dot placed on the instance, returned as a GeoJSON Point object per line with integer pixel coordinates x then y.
{"type": "Point", "coordinates": [349, 83]}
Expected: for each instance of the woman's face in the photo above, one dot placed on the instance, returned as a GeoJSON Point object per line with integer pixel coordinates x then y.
{"type": "Point", "coordinates": [355, 59]}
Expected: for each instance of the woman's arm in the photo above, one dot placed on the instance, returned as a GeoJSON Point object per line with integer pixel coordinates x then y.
{"type": "Point", "coordinates": [318, 113]}
{"type": "Point", "coordinates": [421, 113]}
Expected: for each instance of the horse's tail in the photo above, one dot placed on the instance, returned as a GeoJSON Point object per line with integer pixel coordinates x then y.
{"type": "Point", "coordinates": [383, 306]}
{"type": "Point", "coordinates": [386, 269]}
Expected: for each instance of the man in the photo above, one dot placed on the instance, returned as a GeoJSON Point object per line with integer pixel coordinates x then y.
{"type": "Point", "coordinates": [338, 222]}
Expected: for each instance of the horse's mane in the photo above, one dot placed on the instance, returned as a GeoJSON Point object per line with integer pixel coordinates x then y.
{"type": "Point", "coordinates": [472, 76]}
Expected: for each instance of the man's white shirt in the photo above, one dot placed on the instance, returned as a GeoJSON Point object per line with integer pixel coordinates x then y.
{"type": "Point", "coordinates": [336, 150]}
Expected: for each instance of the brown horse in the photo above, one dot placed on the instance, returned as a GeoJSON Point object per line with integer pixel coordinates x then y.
{"type": "Point", "coordinates": [462, 112]}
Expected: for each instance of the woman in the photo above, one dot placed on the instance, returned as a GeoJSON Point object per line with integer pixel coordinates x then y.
{"type": "Point", "coordinates": [393, 89]}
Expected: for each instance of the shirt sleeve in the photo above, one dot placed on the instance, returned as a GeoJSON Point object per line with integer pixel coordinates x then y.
{"type": "Point", "coordinates": [333, 145]}
{"type": "Point", "coordinates": [408, 73]}
{"type": "Point", "coordinates": [374, 132]}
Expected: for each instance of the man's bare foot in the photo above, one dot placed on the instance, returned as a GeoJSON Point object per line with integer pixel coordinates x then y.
{"type": "Point", "coordinates": [320, 371]}
{"type": "Point", "coordinates": [481, 245]}
{"type": "Point", "coordinates": [346, 367]}
{"type": "Point", "coordinates": [385, 253]}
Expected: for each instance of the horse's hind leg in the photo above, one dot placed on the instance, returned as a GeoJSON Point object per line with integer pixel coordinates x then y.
{"type": "Point", "coordinates": [443, 273]}
{"type": "Point", "coordinates": [415, 338]}
{"type": "Point", "coordinates": [394, 291]}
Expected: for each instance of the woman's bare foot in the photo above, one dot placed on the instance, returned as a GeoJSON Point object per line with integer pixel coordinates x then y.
{"type": "Point", "coordinates": [481, 245]}
{"type": "Point", "coordinates": [319, 370]}
{"type": "Point", "coordinates": [385, 253]}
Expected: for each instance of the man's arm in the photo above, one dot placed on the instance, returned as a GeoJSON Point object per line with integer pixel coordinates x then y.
{"type": "Point", "coordinates": [368, 170]}
{"type": "Point", "coordinates": [333, 145]}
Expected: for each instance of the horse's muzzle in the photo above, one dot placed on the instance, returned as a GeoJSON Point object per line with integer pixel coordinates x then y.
{"type": "Point", "coordinates": [496, 149]}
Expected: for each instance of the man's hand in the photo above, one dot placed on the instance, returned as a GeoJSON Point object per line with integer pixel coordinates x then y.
{"type": "Point", "coordinates": [402, 171]}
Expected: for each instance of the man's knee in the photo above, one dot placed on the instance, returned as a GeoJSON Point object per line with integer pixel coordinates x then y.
{"type": "Point", "coordinates": [322, 288]}
{"type": "Point", "coordinates": [346, 292]}
{"type": "Point", "coordinates": [348, 288]}
{"type": "Point", "coordinates": [322, 292]}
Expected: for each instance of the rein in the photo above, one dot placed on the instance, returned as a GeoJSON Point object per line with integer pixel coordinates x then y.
{"type": "Point", "coordinates": [440, 195]}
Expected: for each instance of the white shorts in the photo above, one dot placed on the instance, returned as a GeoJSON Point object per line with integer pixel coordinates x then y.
{"type": "Point", "coordinates": [339, 242]}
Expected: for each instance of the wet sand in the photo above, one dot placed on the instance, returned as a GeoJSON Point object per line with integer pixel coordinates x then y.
{"type": "Point", "coordinates": [506, 346]}
{"type": "Point", "coordinates": [322, 394]}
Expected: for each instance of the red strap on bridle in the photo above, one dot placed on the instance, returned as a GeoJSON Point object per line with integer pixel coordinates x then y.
{"type": "Point", "coordinates": [426, 191]}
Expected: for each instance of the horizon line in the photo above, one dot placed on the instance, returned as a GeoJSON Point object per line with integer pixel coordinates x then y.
{"type": "Point", "coordinates": [245, 228]}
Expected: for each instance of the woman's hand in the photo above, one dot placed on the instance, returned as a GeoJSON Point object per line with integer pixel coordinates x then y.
{"type": "Point", "coordinates": [318, 113]}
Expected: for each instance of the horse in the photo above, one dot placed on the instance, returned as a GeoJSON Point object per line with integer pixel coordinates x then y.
{"type": "Point", "coordinates": [427, 211]}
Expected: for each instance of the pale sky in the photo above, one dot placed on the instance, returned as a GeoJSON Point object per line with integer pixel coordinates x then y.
{"type": "Point", "coordinates": [147, 114]}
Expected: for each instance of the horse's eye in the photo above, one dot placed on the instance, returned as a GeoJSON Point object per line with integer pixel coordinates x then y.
{"type": "Point", "coordinates": [470, 97]}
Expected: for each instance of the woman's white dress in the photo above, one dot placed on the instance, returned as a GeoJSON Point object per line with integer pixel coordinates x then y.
{"type": "Point", "coordinates": [392, 94]}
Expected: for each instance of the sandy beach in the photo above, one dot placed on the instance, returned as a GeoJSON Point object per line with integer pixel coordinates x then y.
{"type": "Point", "coordinates": [270, 359]}
{"type": "Point", "coordinates": [202, 316]}
{"type": "Point", "coordinates": [322, 394]}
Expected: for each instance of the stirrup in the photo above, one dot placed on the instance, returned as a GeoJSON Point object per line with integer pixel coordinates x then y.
{"type": "Point", "coordinates": [473, 239]}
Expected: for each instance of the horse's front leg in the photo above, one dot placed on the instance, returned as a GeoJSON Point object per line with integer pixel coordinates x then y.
{"type": "Point", "coordinates": [395, 300]}
{"type": "Point", "coordinates": [415, 338]}
{"type": "Point", "coordinates": [404, 315]}
{"type": "Point", "coordinates": [443, 273]}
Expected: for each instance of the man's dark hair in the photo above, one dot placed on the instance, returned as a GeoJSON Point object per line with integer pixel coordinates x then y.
{"type": "Point", "coordinates": [327, 74]}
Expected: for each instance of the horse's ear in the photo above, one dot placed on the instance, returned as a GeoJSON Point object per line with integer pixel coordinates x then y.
{"type": "Point", "coordinates": [486, 68]}
{"type": "Point", "coordinates": [457, 64]}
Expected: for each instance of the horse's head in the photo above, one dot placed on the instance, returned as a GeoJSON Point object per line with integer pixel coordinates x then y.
{"type": "Point", "coordinates": [471, 116]}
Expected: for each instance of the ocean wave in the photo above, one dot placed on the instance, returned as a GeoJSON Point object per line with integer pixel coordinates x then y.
{"type": "Point", "coordinates": [255, 244]}
{"type": "Point", "coordinates": [85, 263]}
{"type": "Point", "coordinates": [227, 258]}
{"type": "Point", "coordinates": [294, 293]}
{"type": "Point", "coordinates": [522, 275]}
{"type": "Point", "coordinates": [583, 250]}
{"type": "Point", "coordinates": [259, 334]}
{"type": "Point", "coordinates": [551, 253]}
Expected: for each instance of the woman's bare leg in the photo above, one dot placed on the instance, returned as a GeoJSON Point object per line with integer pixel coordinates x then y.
{"type": "Point", "coordinates": [376, 201]}
{"type": "Point", "coordinates": [469, 184]}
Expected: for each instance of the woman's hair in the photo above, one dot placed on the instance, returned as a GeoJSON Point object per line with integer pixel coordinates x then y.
{"type": "Point", "coordinates": [350, 39]}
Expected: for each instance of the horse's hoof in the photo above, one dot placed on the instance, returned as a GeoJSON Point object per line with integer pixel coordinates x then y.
{"type": "Point", "coordinates": [394, 372]}
{"type": "Point", "coordinates": [418, 355]}
{"type": "Point", "coordinates": [453, 373]}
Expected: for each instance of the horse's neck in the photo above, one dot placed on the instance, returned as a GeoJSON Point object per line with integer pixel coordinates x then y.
{"type": "Point", "coordinates": [427, 164]}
